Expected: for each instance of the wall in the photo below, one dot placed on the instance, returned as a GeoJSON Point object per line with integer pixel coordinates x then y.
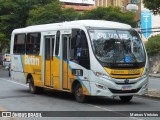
{"type": "Point", "coordinates": [154, 63]}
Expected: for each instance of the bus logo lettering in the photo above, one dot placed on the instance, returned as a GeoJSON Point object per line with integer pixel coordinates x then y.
{"type": "Point", "coordinates": [31, 60]}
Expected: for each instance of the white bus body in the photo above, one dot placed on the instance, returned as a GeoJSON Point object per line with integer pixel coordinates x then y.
{"type": "Point", "coordinates": [86, 57]}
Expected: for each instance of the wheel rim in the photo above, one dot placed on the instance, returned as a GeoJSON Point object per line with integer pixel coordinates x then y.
{"type": "Point", "coordinates": [79, 92]}
{"type": "Point", "coordinates": [79, 95]}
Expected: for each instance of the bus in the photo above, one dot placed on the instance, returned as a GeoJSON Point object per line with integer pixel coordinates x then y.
{"type": "Point", "coordinates": [83, 57]}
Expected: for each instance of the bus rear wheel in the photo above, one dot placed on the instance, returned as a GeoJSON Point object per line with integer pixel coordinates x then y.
{"type": "Point", "coordinates": [79, 96]}
{"type": "Point", "coordinates": [126, 98]}
{"type": "Point", "coordinates": [32, 88]}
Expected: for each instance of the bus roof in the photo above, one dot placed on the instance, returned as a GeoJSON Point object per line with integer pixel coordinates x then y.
{"type": "Point", "coordinates": [85, 23]}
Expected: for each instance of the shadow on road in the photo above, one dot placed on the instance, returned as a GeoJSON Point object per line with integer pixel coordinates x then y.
{"type": "Point", "coordinates": [90, 100]}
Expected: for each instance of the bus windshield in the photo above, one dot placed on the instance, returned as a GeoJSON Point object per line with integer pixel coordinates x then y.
{"type": "Point", "coordinates": [117, 46]}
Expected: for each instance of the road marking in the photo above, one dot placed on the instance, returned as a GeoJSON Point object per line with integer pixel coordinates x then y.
{"type": "Point", "coordinates": [121, 114]}
{"type": "Point", "coordinates": [14, 82]}
{"type": "Point", "coordinates": [102, 108]}
{"type": "Point", "coordinates": [2, 109]}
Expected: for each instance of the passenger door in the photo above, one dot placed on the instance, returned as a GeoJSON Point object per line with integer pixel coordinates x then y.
{"type": "Point", "coordinates": [48, 56]}
{"type": "Point", "coordinates": [65, 59]}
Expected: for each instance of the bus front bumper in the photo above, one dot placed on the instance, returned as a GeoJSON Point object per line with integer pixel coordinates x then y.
{"type": "Point", "coordinates": [111, 88]}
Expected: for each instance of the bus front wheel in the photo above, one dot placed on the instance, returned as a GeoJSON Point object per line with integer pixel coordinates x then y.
{"type": "Point", "coordinates": [79, 96]}
{"type": "Point", "coordinates": [125, 98]}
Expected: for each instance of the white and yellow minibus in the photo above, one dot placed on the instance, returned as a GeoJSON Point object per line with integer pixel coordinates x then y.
{"type": "Point", "coordinates": [84, 57]}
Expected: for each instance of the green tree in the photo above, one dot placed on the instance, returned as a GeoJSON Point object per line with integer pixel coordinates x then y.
{"type": "Point", "coordinates": [14, 14]}
{"type": "Point", "coordinates": [153, 45]}
{"type": "Point", "coordinates": [69, 14]}
{"type": "Point", "coordinates": [51, 13]}
{"type": "Point", "coordinates": [4, 41]}
{"type": "Point", "coordinates": [153, 5]}
{"type": "Point", "coordinates": [111, 14]}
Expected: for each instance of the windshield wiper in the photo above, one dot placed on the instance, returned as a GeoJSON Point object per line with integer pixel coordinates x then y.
{"type": "Point", "coordinates": [111, 46]}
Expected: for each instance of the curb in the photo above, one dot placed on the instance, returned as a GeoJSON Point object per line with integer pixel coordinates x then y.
{"type": "Point", "coordinates": [151, 97]}
{"type": "Point", "coordinates": [153, 93]}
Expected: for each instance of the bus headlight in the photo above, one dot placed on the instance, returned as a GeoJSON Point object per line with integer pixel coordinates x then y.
{"type": "Point", "coordinates": [100, 86]}
{"type": "Point", "coordinates": [99, 74]}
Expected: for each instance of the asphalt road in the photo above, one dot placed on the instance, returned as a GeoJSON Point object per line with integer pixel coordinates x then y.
{"type": "Point", "coordinates": [154, 83]}
{"type": "Point", "coordinates": [15, 96]}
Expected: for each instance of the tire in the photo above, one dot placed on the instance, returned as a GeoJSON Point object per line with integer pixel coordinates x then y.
{"type": "Point", "coordinates": [33, 89]}
{"type": "Point", "coordinates": [125, 98]}
{"type": "Point", "coordinates": [79, 96]}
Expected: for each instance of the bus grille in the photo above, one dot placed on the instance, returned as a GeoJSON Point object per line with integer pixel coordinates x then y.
{"type": "Point", "coordinates": [125, 73]}
{"type": "Point", "coordinates": [125, 83]}
{"type": "Point", "coordinates": [124, 91]}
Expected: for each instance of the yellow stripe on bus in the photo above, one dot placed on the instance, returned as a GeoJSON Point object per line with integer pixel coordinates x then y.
{"type": "Point", "coordinates": [120, 73]}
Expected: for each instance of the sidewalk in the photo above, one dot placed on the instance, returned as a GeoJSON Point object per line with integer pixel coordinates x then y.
{"type": "Point", "coordinates": [153, 93]}
{"type": "Point", "coordinates": [154, 75]}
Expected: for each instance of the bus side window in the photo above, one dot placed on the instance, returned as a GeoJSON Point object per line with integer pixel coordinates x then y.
{"type": "Point", "coordinates": [73, 45]}
{"type": "Point", "coordinates": [57, 43]}
{"type": "Point", "coordinates": [84, 45]}
{"type": "Point", "coordinates": [52, 53]}
{"type": "Point", "coordinates": [19, 44]}
{"type": "Point", "coordinates": [33, 43]}
{"type": "Point", "coordinates": [79, 51]}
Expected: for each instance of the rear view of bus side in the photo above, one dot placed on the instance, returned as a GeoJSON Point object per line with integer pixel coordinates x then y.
{"type": "Point", "coordinates": [86, 57]}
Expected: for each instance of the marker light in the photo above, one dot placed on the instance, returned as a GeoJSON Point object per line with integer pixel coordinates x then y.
{"type": "Point", "coordinates": [99, 74]}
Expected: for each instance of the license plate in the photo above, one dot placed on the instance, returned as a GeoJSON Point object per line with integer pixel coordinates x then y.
{"type": "Point", "coordinates": [126, 87]}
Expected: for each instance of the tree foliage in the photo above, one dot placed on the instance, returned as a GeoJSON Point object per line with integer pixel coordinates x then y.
{"type": "Point", "coordinates": [4, 41]}
{"type": "Point", "coordinates": [14, 14]}
{"type": "Point", "coordinates": [54, 12]}
{"type": "Point", "coordinates": [153, 5]}
{"type": "Point", "coordinates": [51, 13]}
{"type": "Point", "coordinates": [21, 13]}
{"type": "Point", "coordinates": [111, 14]}
{"type": "Point", "coordinates": [153, 45]}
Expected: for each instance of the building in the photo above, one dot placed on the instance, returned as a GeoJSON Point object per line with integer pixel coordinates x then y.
{"type": "Point", "coordinates": [79, 5]}
{"type": "Point", "coordinates": [106, 3]}
{"type": "Point", "coordinates": [82, 5]}
{"type": "Point", "coordinates": [120, 3]}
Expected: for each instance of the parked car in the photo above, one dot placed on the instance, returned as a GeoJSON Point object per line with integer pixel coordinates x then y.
{"type": "Point", "coordinates": [6, 60]}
